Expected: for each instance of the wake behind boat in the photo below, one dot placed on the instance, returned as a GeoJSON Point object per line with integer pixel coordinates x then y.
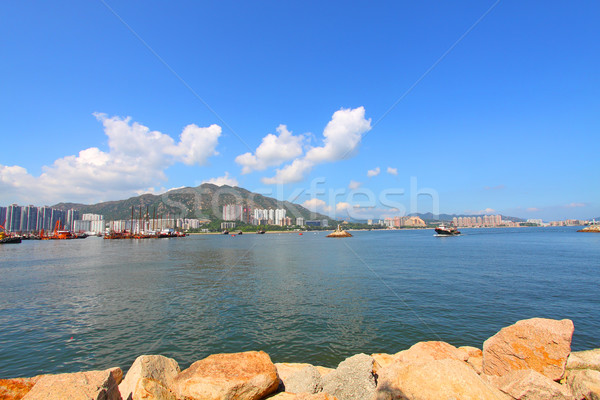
{"type": "Point", "coordinates": [444, 230]}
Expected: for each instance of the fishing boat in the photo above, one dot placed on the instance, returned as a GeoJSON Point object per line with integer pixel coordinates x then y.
{"type": "Point", "coordinates": [444, 230]}
{"type": "Point", "coordinates": [6, 238]}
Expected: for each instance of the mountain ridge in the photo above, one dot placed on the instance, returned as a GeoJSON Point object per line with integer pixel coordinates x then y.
{"type": "Point", "coordinates": [202, 202]}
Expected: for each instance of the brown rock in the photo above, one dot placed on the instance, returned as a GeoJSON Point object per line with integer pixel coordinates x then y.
{"type": "Point", "coordinates": [428, 351]}
{"type": "Point", "coordinates": [539, 344]}
{"type": "Point", "coordinates": [471, 351]}
{"type": "Point", "coordinates": [150, 377]}
{"type": "Point", "coordinates": [475, 358]}
{"type": "Point", "coordinates": [434, 380]}
{"type": "Point", "coordinates": [16, 388]}
{"type": "Point", "coordinates": [589, 359]}
{"type": "Point", "coordinates": [99, 385]}
{"type": "Point", "coordinates": [382, 360]}
{"type": "Point", "coordinates": [531, 385]}
{"type": "Point", "coordinates": [243, 376]}
{"type": "Point", "coordinates": [286, 369]}
{"type": "Point", "coordinates": [324, 370]}
{"type": "Point", "coordinates": [585, 383]}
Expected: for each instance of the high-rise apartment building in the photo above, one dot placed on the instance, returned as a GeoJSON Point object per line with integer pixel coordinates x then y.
{"type": "Point", "coordinates": [232, 212]}
{"type": "Point", "coordinates": [13, 218]}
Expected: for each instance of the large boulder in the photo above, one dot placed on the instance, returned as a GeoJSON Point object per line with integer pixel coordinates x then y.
{"type": "Point", "coordinates": [305, 380]}
{"type": "Point", "coordinates": [241, 376]}
{"type": "Point", "coordinates": [434, 380]}
{"type": "Point", "coordinates": [530, 385]}
{"type": "Point", "coordinates": [589, 359]}
{"type": "Point", "coordinates": [96, 385]}
{"type": "Point", "coordinates": [540, 344]}
{"type": "Point", "coordinates": [427, 351]}
{"type": "Point", "coordinates": [352, 380]}
{"type": "Point", "coordinates": [585, 383]}
{"type": "Point", "coordinates": [150, 378]}
{"type": "Point", "coordinates": [16, 388]}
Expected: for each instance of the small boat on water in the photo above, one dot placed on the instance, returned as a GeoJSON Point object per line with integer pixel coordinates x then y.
{"type": "Point", "coordinates": [444, 230]}
{"type": "Point", "coordinates": [225, 232]}
{"type": "Point", "coordinates": [260, 232]}
{"type": "Point", "coordinates": [240, 232]}
{"type": "Point", "coordinates": [6, 238]}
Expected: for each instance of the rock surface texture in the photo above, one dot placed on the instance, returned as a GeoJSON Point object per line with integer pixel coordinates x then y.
{"type": "Point", "coordinates": [96, 385]}
{"type": "Point", "coordinates": [428, 351]}
{"type": "Point", "coordinates": [531, 385]}
{"type": "Point", "coordinates": [434, 380]}
{"type": "Point", "coordinates": [352, 380]}
{"type": "Point", "coordinates": [589, 359]}
{"type": "Point", "coordinates": [241, 376]}
{"type": "Point", "coordinates": [16, 388]}
{"type": "Point", "coordinates": [305, 380]}
{"type": "Point", "coordinates": [585, 384]}
{"type": "Point", "coordinates": [150, 378]}
{"type": "Point", "coordinates": [542, 345]}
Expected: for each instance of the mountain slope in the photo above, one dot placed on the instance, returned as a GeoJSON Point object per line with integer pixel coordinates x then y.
{"type": "Point", "coordinates": [203, 202]}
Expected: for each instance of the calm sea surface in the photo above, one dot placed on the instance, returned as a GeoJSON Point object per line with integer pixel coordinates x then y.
{"type": "Point", "coordinates": [92, 304]}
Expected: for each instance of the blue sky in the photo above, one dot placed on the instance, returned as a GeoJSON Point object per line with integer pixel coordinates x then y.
{"type": "Point", "coordinates": [476, 105]}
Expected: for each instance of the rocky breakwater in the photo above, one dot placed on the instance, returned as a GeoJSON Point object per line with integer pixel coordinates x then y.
{"type": "Point", "coordinates": [529, 360]}
{"type": "Point", "coordinates": [591, 228]}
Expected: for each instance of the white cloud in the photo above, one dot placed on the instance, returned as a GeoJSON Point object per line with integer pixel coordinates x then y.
{"type": "Point", "coordinates": [341, 138]}
{"type": "Point", "coordinates": [223, 180]}
{"type": "Point", "coordinates": [316, 205]}
{"type": "Point", "coordinates": [373, 172]}
{"type": "Point", "coordinates": [575, 205]}
{"type": "Point", "coordinates": [354, 185]}
{"type": "Point", "coordinates": [272, 151]}
{"type": "Point", "coordinates": [135, 162]}
{"type": "Point", "coordinates": [481, 212]}
{"type": "Point", "coordinates": [392, 171]}
{"type": "Point", "coordinates": [293, 172]}
{"type": "Point", "coordinates": [342, 205]}
{"type": "Point", "coordinates": [533, 209]}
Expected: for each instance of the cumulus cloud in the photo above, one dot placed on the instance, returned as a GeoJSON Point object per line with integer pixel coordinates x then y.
{"type": "Point", "coordinates": [373, 172]}
{"type": "Point", "coordinates": [354, 185]}
{"type": "Point", "coordinates": [392, 171]}
{"type": "Point", "coordinates": [135, 162]}
{"type": "Point", "coordinates": [342, 205]}
{"type": "Point", "coordinates": [316, 205]}
{"type": "Point", "coordinates": [341, 139]}
{"type": "Point", "coordinates": [273, 150]}
{"type": "Point", "coordinates": [223, 180]}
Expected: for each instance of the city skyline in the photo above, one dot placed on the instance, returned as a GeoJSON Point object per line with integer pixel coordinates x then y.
{"type": "Point", "coordinates": [106, 101]}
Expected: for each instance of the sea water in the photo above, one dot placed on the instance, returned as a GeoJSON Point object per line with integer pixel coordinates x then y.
{"type": "Point", "coordinates": [88, 304]}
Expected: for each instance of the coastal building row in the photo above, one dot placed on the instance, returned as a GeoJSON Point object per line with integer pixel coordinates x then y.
{"type": "Point", "coordinates": [237, 212]}
{"type": "Point", "coordinates": [25, 219]}
{"type": "Point", "coordinates": [397, 222]}
{"type": "Point", "coordinates": [479, 221]}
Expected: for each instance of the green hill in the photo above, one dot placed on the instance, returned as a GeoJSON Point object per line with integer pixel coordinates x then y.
{"type": "Point", "coordinates": [203, 202]}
